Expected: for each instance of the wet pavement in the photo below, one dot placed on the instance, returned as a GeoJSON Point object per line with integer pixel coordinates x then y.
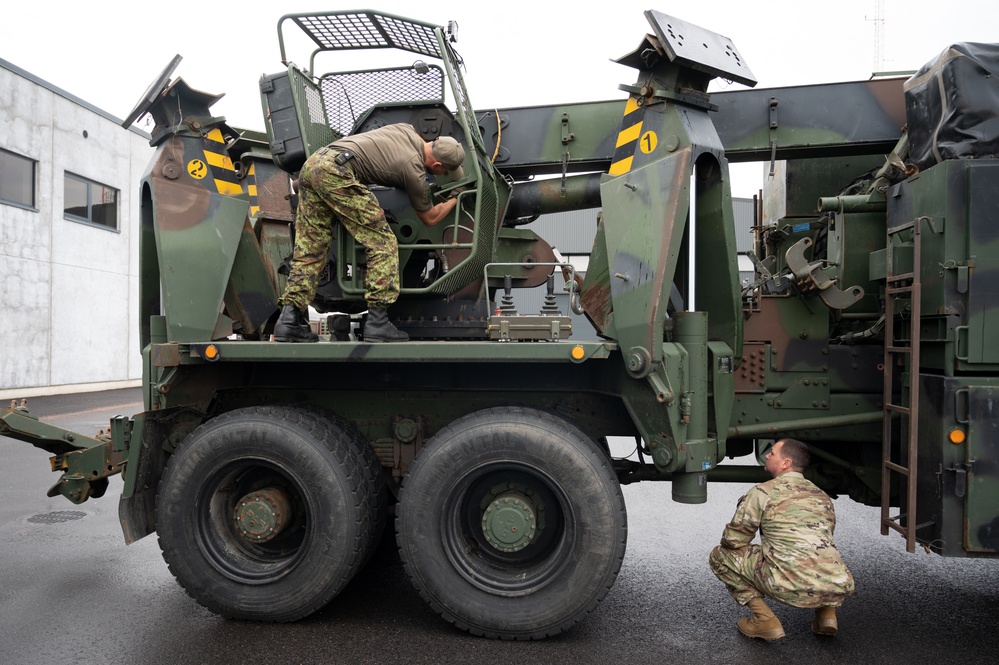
{"type": "Point", "coordinates": [70, 589]}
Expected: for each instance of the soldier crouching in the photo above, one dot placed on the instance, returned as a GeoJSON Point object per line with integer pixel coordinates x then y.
{"type": "Point", "coordinates": [797, 562]}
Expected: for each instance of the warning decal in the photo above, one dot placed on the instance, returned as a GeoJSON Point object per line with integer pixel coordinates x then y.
{"type": "Point", "coordinates": [197, 169]}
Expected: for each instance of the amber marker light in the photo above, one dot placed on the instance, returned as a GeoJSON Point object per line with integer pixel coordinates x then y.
{"type": "Point", "coordinates": [956, 436]}
{"type": "Point", "coordinates": [211, 352]}
{"type": "Point", "coordinates": [577, 352]}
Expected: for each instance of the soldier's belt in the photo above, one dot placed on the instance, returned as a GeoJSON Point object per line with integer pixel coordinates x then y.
{"type": "Point", "coordinates": [341, 157]}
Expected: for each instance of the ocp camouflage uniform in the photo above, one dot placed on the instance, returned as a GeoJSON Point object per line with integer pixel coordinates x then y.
{"type": "Point", "coordinates": [330, 192]}
{"type": "Point", "coordinates": [797, 562]}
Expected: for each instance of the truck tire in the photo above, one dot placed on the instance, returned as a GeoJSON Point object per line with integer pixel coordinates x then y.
{"type": "Point", "coordinates": [265, 513]}
{"type": "Point", "coordinates": [511, 524]}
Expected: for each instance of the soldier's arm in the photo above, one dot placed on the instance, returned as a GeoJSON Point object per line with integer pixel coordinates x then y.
{"type": "Point", "coordinates": [746, 521]}
{"type": "Point", "coordinates": [433, 216]}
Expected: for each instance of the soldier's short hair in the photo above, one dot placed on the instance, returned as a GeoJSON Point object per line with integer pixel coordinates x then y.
{"type": "Point", "coordinates": [797, 452]}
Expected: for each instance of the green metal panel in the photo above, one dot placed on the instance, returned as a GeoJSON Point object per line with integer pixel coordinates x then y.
{"type": "Point", "coordinates": [415, 351]}
{"type": "Point", "coordinates": [960, 243]}
{"type": "Point", "coordinates": [644, 221]}
{"type": "Point", "coordinates": [982, 468]}
{"type": "Point", "coordinates": [251, 296]}
{"type": "Point", "coordinates": [195, 257]}
{"type": "Point", "coordinates": [808, 179]}
{"type": "Point", "coordinates": [958, 483]}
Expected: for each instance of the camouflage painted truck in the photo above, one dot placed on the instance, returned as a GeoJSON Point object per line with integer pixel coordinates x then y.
{"type": "Point", "coordinates": [269, 471]}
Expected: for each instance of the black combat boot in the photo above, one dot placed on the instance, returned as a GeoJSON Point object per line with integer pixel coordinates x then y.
{"type": "Point", "coordinates": [379, 329]}
{"type": "Point", "coordinates": [293, 326]}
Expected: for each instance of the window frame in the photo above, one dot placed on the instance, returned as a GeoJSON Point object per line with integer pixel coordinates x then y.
{"type": "Point", "coordinates": [89, 221]}
{"type": "Point", "coordinates": [33, 164]}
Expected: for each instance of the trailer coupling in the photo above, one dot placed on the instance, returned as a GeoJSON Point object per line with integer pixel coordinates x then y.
{"type": "Point", "coordinates": [86, 462]}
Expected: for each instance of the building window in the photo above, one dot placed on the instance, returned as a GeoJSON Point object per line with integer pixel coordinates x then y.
{"type": "Point", "coordinates": [17, 179]}
{"type": "Point", "coordinates": [88, 201]}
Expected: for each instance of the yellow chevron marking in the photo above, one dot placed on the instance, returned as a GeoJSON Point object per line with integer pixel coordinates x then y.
{"type": "Point", "coordinates": [219, 160]}
{"type": "Point", "coordinates": [622, 166]}
{"type": "Point", "coordinates": [228, 188]}
{"type": "Point", "coordinates": [629, 135]}
{"type": "Point", "coordinates": [254, 210]}
{"type": "Point", "coordinates": [631, 106]}
{"type": "Point", "coordinates": [215, 135]}
{"type": "Point", "coordinates": [251, 190]}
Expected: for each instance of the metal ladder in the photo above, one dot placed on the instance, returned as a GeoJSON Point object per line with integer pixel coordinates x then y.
{"type": "Point", "coordinates": [901, 287]}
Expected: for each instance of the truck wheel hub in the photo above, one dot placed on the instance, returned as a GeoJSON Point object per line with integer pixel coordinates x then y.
{"type": "Point", "coordinates": [262, 515]}
{"type": "Point", "coordinates": [509, 522]}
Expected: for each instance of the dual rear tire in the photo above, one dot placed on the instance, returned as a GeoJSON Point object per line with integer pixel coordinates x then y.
{"type": "Point", "coordinates": [266, 513]}
{"type": "Point", "coordinates": [511, 523]}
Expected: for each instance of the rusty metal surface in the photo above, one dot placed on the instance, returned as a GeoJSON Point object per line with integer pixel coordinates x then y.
{"type": "Point", "coordinates": [181, 203]}
{"type": "Point", "coordinates": [165, 355]}
{"type": "Point", "coordinates": [273, 197]}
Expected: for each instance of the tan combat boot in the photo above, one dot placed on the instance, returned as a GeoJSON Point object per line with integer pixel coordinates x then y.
{"type": "Point", "coordinates": [824, 622]}
{"type": "Point", "coordinates": [762, 624]}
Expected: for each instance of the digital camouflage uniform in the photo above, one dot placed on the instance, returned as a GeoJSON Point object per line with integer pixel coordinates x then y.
{"type": "Point", "coordinates": [331, 193]}
{"type": "Point", "coordinates": [797, 562]}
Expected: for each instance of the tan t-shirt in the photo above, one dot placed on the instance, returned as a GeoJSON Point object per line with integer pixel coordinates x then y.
{"type": "Point", "coordinates": [391, 156]}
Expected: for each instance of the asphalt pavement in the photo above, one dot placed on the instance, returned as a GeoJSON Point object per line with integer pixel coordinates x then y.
{"type": "Point", "coordinates": [71, 590]}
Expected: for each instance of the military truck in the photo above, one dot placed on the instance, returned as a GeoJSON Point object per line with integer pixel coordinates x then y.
{"type": "Point", "coordinates": [270, 471]}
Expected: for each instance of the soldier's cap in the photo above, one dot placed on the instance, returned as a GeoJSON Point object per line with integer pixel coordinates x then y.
{"type": "Point", "coordinates": [449, 153]}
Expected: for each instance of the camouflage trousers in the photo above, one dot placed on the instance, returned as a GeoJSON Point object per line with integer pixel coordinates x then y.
{"type": "Point", "coordinates": [328, 193]}
{"type": "Point", "coordinates": [744, 573]}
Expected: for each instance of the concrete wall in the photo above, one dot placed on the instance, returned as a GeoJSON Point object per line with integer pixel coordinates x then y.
{"type": "Point", "coordinates": [68, 291]}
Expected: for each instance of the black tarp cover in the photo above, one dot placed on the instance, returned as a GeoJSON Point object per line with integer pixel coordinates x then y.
{"type": "Point", "coordinates": [952, 105]}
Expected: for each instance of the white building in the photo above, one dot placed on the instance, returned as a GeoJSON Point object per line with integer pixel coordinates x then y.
{"type": "Point", "coordinates": [69, 211]}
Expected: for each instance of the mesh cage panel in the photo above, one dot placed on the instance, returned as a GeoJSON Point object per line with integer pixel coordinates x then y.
{"type": "Point", "coordinates": [464, 105]}
{"type": "Point", "coordinates": [485, 213]}
{"type": "Point", "coordinates": [487, 201]}
{"type": "Point", "coordinates": [316, 132]}
{"type": "Point", "coordinates": [418, 38]}
{"type": "Point", "coordinates": [347, 96]}
{"type": "Point", "coordinates": [333, 32]}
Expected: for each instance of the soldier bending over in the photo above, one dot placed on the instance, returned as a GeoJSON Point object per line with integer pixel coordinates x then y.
{"type": "Point", "coordinates": [332, 189]}
{"type": "Point", "coordinates": [796, 562]}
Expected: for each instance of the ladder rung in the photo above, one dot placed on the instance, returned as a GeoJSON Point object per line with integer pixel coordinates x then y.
{"type": "Point", "coordinates": [899, 289]}
{"type": "Point", "coordinates": [898, 518]}
{"type": "Point", "coordinates": [893, 522]}
{"type": "Point", "coordinates": [895, 467]}
{"type": "Point", "coordinates": [901, 529]}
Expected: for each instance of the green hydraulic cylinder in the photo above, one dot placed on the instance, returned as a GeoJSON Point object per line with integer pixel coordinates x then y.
{"type": "Point", "coordinates": [690, 330]}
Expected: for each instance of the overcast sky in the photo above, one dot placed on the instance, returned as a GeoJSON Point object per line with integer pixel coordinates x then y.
{"type": "Point", "coordinates": [517, 53]}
